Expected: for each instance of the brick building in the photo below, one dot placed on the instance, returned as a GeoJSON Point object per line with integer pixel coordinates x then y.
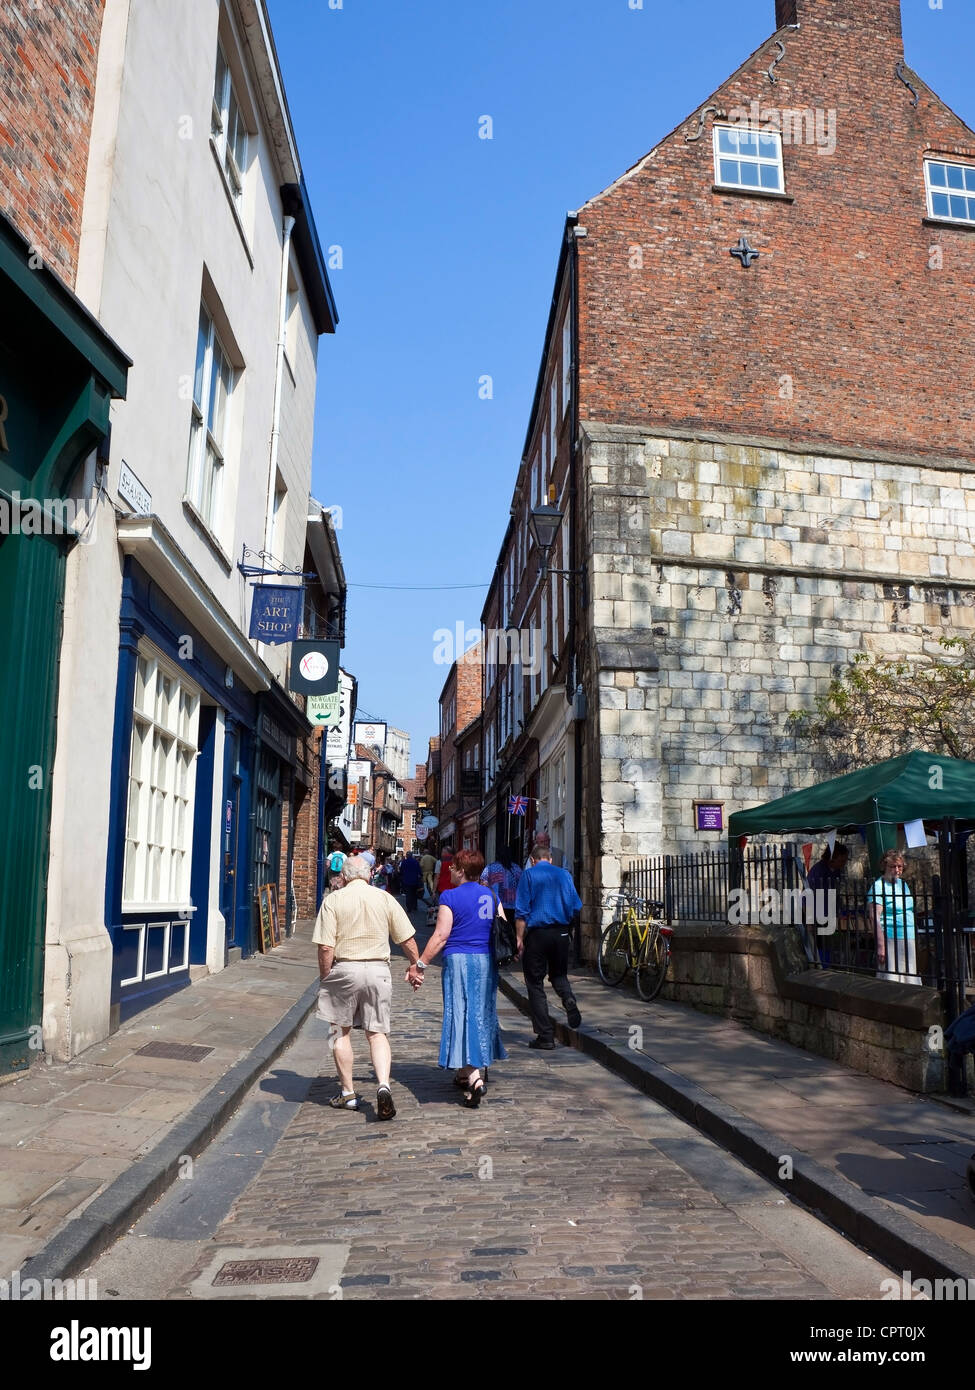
{"type": "Point", "coordinates": [753, 419]}
{"type": "Point", "coordinates": [47, 92]}
{"type": "Point", "coordinates": [387, 803]}
{"type": "Point", "coordinates": [414, 806]}
{"type": "Point", "coordinates": [460, 703]}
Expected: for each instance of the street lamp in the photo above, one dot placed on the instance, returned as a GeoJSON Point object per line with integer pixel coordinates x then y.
{"type": "Point", "coordinates": [544, 523]}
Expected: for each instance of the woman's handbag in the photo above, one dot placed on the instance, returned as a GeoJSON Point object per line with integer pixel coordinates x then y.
{"type": "Point", "coordinates": [502, 943]}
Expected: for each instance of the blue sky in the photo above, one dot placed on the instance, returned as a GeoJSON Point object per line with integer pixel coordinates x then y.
{"type": "Point", "coordinates": [450, 244]}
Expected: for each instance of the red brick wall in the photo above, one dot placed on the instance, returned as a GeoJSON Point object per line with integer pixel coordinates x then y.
{"type": "Point", "coordinates": [469, 687]}
{"type": "Point", "coordinates": [847, 300]}
{"type": "Point", "coordinates": [48, 56]}
{"type": "Point", "coordinates": [305, 871]}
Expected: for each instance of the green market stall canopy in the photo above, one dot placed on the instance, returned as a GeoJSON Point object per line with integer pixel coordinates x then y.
{"type": "Point", "coordinates": [914, 786]}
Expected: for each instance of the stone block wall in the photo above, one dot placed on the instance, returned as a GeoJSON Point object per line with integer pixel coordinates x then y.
{"type": "Point", "coordinates": [741, 978]}
{"type": "Point", "coordinates": [729, 582]}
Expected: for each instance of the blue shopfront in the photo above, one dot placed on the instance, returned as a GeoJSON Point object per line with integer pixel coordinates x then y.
{"type": "Point", "coordinates": [180, 852]}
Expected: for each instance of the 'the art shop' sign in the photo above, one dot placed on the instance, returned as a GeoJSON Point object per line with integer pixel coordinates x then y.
{"type": "Point", "coordinates": [275, 613]}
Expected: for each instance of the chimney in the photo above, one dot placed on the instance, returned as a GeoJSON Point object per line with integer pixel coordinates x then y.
{"type": "Point", "coordinates": [878, 18]}
{"type": "Point", "coordinates": [786, 13]}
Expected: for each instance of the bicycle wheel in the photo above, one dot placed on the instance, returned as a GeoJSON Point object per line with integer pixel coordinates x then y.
{"type": "Point", "coordinates": [613, 960]}
{"type": "Point", "coordinates": [651, 969]}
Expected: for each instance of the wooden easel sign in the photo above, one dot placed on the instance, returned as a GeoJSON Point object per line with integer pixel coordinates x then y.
{"type": "Point", "coordinates": [267, 897]}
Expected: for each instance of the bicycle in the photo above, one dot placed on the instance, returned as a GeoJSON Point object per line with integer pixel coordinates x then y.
{"type": "Point", "coordinates": [637, 941]}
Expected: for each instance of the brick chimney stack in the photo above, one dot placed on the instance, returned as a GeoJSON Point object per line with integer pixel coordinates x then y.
{"type": "Point", "coordinates": [881, 17]}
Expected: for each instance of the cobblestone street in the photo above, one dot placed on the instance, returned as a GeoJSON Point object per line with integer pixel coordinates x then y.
{"type": "Point", "coordinates": [565, 1183]}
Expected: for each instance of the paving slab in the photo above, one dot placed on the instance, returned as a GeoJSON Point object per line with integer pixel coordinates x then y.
{"type": "Point", "coordinates": [71, 1131]}
{"type": "Point", "coordinates": [888, 1149]}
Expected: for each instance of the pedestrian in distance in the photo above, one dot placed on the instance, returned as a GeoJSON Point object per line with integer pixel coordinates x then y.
{"type": "Point", "coordinates": [471, 1037]}
{"type": "Point", "coordinates": [545, 904]}
{"type": "Point", "coordinates": [410, 876]}
{"type": "Point", "coordinates": [352, 932]}
{"type": "Point", "coordinates": [503, 875]}
{"type": "Point", "coordinates": [428, 864]}
{"type": "Point", "coordinates": [893, 908]}
{"type": "Point", "coordinates": [444, 881]}
{"type": "Point", "coordinates": [335, 862]}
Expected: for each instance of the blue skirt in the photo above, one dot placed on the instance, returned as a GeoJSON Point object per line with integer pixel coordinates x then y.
{"type": "Point", "coordinates": [471, 1036]}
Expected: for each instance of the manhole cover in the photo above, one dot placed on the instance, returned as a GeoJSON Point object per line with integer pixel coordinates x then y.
{"type": "Point", "coordinates": [297, 1271]}
{"type": "Point", "coordinates": [175, 1052]}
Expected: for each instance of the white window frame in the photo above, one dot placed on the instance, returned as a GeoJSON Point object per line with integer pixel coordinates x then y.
{"type": "Point", "coordinates": [758, 160]}
{"type": "Point", "coordinates": [966, 194]}
{"type": "Point", "coordinates": [554, 417]}
{"type": "Point", "coordinates": [161, 798]}
{"type": "Point", "coordinates": [228, 128]}
{"type": "Point", "coordinates": [208, 435]}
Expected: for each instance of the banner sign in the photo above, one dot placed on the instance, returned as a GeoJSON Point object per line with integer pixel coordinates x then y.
{"type": "Point", "coordinates": [337, 746]}
{"type": "Point", "coordinates": [275, 613]}
{"type": "Point", "coordinates": [314, 668]}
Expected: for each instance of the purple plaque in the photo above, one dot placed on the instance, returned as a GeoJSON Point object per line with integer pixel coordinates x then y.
{"type": "Point", "coordinates": [710, 815]}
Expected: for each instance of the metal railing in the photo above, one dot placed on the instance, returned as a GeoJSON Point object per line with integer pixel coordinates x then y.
{"type": "Point", "coordinates": [921, 934]}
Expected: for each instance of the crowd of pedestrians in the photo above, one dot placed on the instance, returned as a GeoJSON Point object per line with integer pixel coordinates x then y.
{"type": "Point", "coordinates": [360, 916]}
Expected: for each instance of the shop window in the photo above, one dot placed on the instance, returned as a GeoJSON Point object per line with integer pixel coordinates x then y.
{"type": "Point", "coordinates": [162, 786]}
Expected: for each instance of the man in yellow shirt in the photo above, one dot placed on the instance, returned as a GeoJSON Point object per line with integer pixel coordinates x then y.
{"type": "Point", "coordinates": [353, 932]}
{"type": "Point", "coordinates": [428, 864]}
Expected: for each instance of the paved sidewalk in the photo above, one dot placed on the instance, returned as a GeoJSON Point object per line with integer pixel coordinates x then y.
{"type": "Point", "coordinates": [85, 1138]}
{"type": "Point", "coordinates": [886, 1166]}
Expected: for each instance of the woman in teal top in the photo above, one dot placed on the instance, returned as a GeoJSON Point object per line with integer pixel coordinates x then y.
{"type": "Point", "coordinates": [893, 906]}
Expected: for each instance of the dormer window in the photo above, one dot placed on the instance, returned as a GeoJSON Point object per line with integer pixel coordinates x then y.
{"type": "Point", "coordinates": [748, 159]}
{"type": "Point", "coordinates": [951, 190]}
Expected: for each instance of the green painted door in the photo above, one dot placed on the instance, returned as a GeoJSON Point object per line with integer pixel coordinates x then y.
{"type": "Point", "coordinates": [58, 373]}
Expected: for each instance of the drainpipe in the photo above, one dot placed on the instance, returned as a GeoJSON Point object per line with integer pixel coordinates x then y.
{"type": "Point", "coordinates": [272, 472]}
{"type": "Point", "coordinates": [574, 564]}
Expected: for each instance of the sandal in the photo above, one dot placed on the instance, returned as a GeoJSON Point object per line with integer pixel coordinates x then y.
{"type": "Point", "coordinates": [472, 1097]}
{"type": "Point", "coordinates": [462, 1081]}
{"type": "Point", "coordinates": [341, 1102]}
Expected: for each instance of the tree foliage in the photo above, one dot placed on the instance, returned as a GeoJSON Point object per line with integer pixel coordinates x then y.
{"type": "Point", "coordinates": [878, 708]}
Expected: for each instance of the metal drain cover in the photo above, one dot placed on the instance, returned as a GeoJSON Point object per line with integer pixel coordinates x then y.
{"type": "Point", "coordinates": [175, 1052]}
{"type": "Point", "coordinates": [266, 1272]}
{"type": "Point", "coordinates": [272, 1271]}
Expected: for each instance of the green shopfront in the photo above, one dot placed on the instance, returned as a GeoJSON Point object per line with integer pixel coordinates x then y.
{"type": "Point", "coordinates": [58, 375]}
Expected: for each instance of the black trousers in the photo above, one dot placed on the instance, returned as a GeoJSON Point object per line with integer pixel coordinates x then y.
{"type": "Point", "coordinates": [546, 952]}
{"type": "Point", "coordinates": [410, 892]}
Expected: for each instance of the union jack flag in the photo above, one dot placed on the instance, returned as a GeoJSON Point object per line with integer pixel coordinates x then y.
{"type": "Point", "coordinates": [517, 805]}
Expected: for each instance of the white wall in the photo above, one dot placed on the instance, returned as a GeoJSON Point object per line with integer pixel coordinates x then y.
{"type": "Point", "coordinates": [158, 222]}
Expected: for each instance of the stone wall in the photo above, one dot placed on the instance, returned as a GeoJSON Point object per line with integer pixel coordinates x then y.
{"type": "Point", "coordinates": [874, 1027]}
{"type": "Point", "coordinates": [730, 581]}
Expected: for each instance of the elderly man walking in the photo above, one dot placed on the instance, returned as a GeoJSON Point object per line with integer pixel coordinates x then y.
{"type": "Point", "coordinates": [353, 932]}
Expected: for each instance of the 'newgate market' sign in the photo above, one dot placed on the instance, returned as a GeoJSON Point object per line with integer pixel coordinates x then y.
{"type": "Point", "coordinates": [274, 616]}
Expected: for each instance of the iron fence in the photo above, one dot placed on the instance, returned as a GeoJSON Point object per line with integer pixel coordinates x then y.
{"type": "Point", "coordinates": [913, 932]}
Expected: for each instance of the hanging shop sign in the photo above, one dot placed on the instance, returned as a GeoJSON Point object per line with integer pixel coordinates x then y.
{"type": "Point", "coordinates": [275, 612]}
{"type": "Point", "coordinates": [371, 736]}
{"type": "Point", "coordinates": [314, 668]}
{"type": "Point", "coordinates": [324, 711]}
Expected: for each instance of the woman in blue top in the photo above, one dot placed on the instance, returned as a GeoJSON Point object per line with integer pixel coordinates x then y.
{"type": "Point", "coordinates": [893, 906]}
{"type": "Point", "coordinates": [471, 1037]}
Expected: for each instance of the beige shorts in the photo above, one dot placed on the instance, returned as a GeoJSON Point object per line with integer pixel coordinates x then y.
{"type": "Point", "coordinates": [357, 994]}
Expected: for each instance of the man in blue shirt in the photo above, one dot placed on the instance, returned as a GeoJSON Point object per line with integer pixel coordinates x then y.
{"type": "Point", "coordinates": [544, 907]}
{"type": "Point", "coordinates": [410, 877]}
